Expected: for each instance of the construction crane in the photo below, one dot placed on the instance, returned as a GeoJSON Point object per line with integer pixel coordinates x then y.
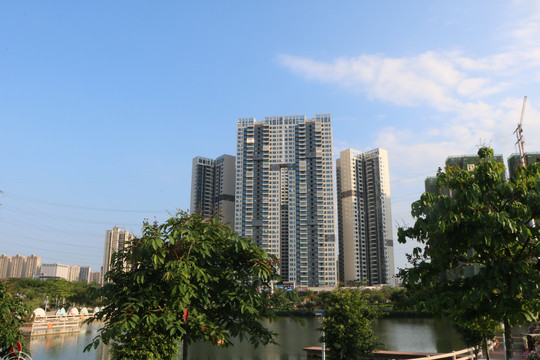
{"type": "Point", "coordinates": [519, 135]}
{"type": "Point", "coordinates": [520, 142]}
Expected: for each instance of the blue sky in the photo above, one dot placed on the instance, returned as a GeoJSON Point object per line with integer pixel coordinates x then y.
{"type": "Point", "coordinates": [104, 104]}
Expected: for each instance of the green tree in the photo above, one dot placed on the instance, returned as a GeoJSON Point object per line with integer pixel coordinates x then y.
{"type": "Point", "coordinates": [347, 324]}
{"type": "Point", "coordinates": [477, 332]}
{"type": "Point", "coordinates": [188, 279]}
{"type": "Point", "coordinates": [486, 224]}
{"type": "Point", "coordinates": [13, 314]}
{"type": "Point", "coordinates": [284, 301]}
{"type": "Point", "coordinates": [35, 291]}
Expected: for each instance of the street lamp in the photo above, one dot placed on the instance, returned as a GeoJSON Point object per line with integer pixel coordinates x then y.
{"type": "Point", "coordinates": [320, 316]}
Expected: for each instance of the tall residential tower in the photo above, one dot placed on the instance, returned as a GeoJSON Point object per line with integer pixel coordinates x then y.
{"type": "Point", "coordinates": [5, 264]}
{"type": "Point", "coordinates": [366, 249]}
{"type": "Point", "coordinates": [114, 241]}
{"type": "Point", "coordinates": [33, 266]}
{"type": "Point", "coordinates": [285, 194]}
{"type": "Point", "coordinates": [213, 187]}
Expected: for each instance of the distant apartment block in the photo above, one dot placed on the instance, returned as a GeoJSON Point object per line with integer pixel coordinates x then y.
{"type": "Point", "coordinates": [32, 266]}
{"type": "Point", "coordinates": [464, 162]}
{"type": "Point", "coordinates": [74, 271]}
{"type": "Point", "coordinates": [469, 162]}
{"type": "Point", "coordinates": [84, 273]}
{"type": "Point", "coordinates": [366, 248]}
{"type": "Point", "coordinates": [514, 161]}
{"type": "Point", "coordinates": [115, 240]}
{"type": "Point", "coordinates": [430, 185]}
{"type": "Point", "coordinates": [285, 194]}
{"type": "Point", "coordinates": [17, 267]}
{"type": "Point", "coordinates": [5, 262]}
{"type": "Point", "coordinates": [55, 270]}
{"type": "Point", "coordinates": [213, 187]}
{"type": "Point", "coordinates": [95, 277]}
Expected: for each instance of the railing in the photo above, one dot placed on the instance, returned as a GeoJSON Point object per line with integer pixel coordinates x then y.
{"type": "Point", "coordinates": [54, 325]}
{"type": "Point", "coordinates": [464, 354]}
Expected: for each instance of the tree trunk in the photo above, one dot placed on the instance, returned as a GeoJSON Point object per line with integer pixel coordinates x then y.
{"type": "Point", "coordinates": [508, 338]}
{"type": "Point", "coordinates": [485, 348]}
{"type": "Point", "coordinates": [184, 350]}
{"type": "Point", "coordinates": [476, 352]}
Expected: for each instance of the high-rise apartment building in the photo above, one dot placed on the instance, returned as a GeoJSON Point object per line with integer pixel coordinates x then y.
{"type": "Point", "coordinates": [84, 273]}
{"type": "Point", "coordinates": [285, 194]}
{"type": "Point", "coordinates": [366, 248]}
{"type": "Point", "coordinates": [514, 161]}
{"type": "Point", "coordinates": [430, 185]}
{"type": "Point", "coordinates": [18, 263]}
{"type": "Point", "coordinates": [202, 186]}
{"type": "Point", "coordinates": [213, 187]}
{"type": "Point", "coordinates": [464, 162]}
{"type": "Point", "coordinates": [114, 241]}
{"type": "Point", "coordinates": [74, 271]}
{"type": "Point", "coordinates": [32, 266]}
{"type": "Point", "coordinates": [469, 162]}
{"type": "Point", "coordinates": [5, 263]}
{"type": "Point", "coordinates": [95, 277]}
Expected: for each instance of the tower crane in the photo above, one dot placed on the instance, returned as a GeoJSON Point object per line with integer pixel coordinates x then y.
{"type": "Point", "coordinates": [520, 142]}
{"type": "Point", "coordinates": [519, 135]}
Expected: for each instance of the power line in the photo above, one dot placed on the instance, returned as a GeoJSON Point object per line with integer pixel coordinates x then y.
{"type": "Point", "coordinates": [34, 213]}
{"type": "Point", "coordinates": [71, 206]}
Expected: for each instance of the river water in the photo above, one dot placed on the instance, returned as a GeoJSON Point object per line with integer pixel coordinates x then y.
{"type": "Point", "coordinates": [402, 334]}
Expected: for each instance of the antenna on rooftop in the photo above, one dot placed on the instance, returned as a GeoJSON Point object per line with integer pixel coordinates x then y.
{"type": "Point", "coordinates": [519, 135]}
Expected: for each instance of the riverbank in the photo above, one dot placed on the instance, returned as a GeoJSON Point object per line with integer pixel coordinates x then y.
{"type": "Point", "coordinates": [387, 313]}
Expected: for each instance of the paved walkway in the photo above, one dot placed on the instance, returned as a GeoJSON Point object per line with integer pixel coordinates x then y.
{"type": "Point", "coordinates": [498, 354]}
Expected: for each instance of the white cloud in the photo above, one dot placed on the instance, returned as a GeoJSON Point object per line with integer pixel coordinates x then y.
{"type": "Point", "coordinates": [426, 78]}
{"type": "Point", "coordinates": [479, 88]}
{"type": "Point", "coordinates": [475, 100]}
{"type": "Point", "coordinates": [526, 30]}
{"type": "Point", "coordinates": [444, 81]}
{"type": "Point", "coordinates": [457, 87]}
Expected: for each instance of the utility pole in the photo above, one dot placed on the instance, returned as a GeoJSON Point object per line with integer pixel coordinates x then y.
{"type": "Point", "coordinates": [320, 316]}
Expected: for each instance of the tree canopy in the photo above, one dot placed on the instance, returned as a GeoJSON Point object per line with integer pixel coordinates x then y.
{"type": "Point", "coordinates": [187, 279]}
{"type": "Point", "coordinates": [13, 314]}
{"type": "Point", "coordinates": [37, 291]}
{"type": "Point", "coordinates": [479, 263]}
{"type": "Point", "coordinates": [347, 324]}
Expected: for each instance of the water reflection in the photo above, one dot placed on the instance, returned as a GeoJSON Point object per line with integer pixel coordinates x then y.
{"type": "Point", "coordinates": [292, 338]}
{"type": "Point", "coordinates": [417, 334]}
{"type": "Point", "coordinates": [102, 352]}
{"type": "Point", "coordinates": [68, 346]}
{"type": "Point", "coordinates": [406, 334]}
